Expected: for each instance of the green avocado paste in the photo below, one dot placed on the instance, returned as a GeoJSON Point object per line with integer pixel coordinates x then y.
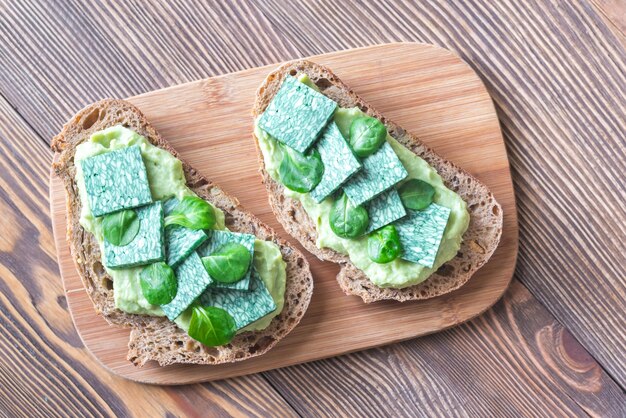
{"type": "Point", "coordinates": [396, 274]}
{"type": "Point", "coordinates": [166, 179]}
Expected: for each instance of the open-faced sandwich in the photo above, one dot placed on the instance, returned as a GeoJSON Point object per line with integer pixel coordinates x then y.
{"type": "Point", "coordinates": [165, 251]}
{"type": "Point", "coordinates": [356, 189]}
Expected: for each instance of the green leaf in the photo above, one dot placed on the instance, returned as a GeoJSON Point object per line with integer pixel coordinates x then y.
{"type": "Point", "coordinates": [366, 136]}
{"type": "Point", "coordinates": [300, 172]}
{"type": "Point", "coordinates": [193, 213]}
{"type": "Point", "coordinates": [416, 194]}
{"type": "Point", "coordinates": [229, 263]}
{"type": "Point", "coordinates": [120, 228]}
{"type": "Point", "coordinates": [347, 220]}
{"type": "Point", "coordinates": [211, 326]}
{"type": "Point", "coordinates": [158, 283]}
{"type": "Point", "coordinates": [383, 245]}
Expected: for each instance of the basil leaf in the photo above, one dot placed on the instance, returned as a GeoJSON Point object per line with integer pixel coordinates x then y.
{"type": "Point", "coordinates": [300, 172]}
{"type": "Point", "coordinates": [211, 326]}
{"type": "Point", "coordinates": [416, 194]}
{"type": "Point", "coordinates": [193, 213]}
{"type": "Point", "coordinates": [383, 245]}
{"type": "Point", "coordinates": [347, 220]}
{"type": "Point", "coordinates": [229, 263]}
{"type": "Point", "coordinates": [366, 136]}
{"type": "Point", "coordinates": [120, 228]}
{"type": "Point", "coordinates": [158, 283]}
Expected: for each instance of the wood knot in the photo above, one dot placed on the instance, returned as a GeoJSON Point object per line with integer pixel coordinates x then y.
{"type": "Point", "coordinates": [217, 91]}
{"type": "Point", "coordinates": [568, 359]}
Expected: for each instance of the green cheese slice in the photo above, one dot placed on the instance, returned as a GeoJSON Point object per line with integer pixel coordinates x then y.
{"type": "Point", "coordinates": [381, 170]}
{"type": "Point", "coordinates": [338, 159]}
{"type": "Point", "coordinates": [421, 232]}
{"type": "Point", "coordinates": [297, 114]}
{"type": "Point", "coordinates": [180, 242]}
{"type": "Point", "coordinates": [384, 209]}
{"type": "Point", "coordinates": [116, 180]}
{"type": "Point", "coordinates": [193, 279]}
{"type": "Point", "coordinates": [245, 307]}
{"type": "Point", "coordinates": [148, 245]}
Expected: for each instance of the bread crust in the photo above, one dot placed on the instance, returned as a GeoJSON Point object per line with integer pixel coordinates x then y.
{"type": "Point", "coordinates": [479, 241]}
{"type": "Point", "coordinates": [156, 338]}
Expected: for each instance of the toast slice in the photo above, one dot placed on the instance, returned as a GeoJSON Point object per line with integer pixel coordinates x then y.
{"type": "Point", "coordinates": [479, 241]}
{"type": "Point", "coordinates": [156, 338]}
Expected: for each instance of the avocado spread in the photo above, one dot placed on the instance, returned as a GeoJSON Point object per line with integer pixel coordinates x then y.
{"type": "Point", "coordinates": [398, 273]}
{"type": "Point", "coordinates": [166, 179]}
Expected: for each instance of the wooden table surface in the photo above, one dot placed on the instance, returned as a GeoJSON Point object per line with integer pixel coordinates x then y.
{"type": "Point", "coordinates": [554, 345]}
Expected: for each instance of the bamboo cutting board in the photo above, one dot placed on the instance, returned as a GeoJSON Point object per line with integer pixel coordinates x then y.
{"type": "Point", "coordinates": [426, 90]}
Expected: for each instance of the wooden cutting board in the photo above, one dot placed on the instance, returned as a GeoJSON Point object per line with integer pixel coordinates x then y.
{"type": "Point", "coordinates": [425, 89]}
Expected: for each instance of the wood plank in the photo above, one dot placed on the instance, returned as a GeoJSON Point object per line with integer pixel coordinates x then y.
{"type": "Point", "coordinates": [515, 360]}
{"type": "Point", "coordinates": [44, 368]}
{"type": "Point", "coordinates": [211, 121]}
{"type": "Point", "coordinates": [76, 54]}
{"type": "Point", "coordinates": [555, 72]}
{"type": "Point", "coordinates": [41, 85]}
{"type": "Point", "coordinates": [614, 13]}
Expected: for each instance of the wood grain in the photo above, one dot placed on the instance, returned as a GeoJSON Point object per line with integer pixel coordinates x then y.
{"type": "Point", "coordinates": [493, 366]}
{"type": "Point", "coordinates": [44, 368]}
{"type": "Point", "coordinates": [554, 69]}
{"type": "Point", "coordinates": [209, 121]}
{"type": "Point", "coordinates": [140, 47]}
{"type": "Point", "coordinates": [555, 72]}
{"type": "Point", "coordinates": [614, 13]}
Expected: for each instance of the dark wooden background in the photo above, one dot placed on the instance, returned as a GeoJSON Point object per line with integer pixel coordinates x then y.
{"type": "Point", "coordinates": [554, 345]}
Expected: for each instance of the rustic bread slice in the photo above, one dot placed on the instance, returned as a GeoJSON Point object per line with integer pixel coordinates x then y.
{"type": "Point", "coordinates": [154, 338]}
{"type": "Point", "coordinates": [479, 242]}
